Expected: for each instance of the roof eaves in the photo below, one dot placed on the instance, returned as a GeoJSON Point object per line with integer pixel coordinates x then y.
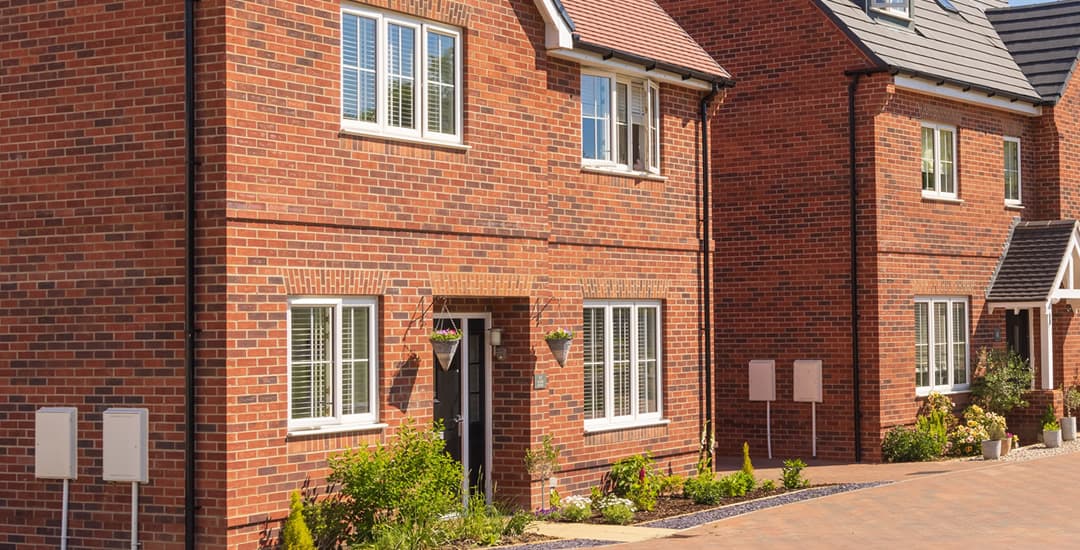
{"type": "Point", "coordinates": [650, 63]}
{"type": "Point", "coordinates": [565, 15]}
{"type": "Point", "coordinates": [967, 86]}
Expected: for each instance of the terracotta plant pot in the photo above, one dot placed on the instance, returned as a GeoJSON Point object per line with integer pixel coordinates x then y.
{"type": "Point", "coordinates": [444, 351]}
{"type": "Point", "coordinates": [1006, 446]}
{"type": "Point", "coordinates": [991, 449]}
{"type": "Point", "coordinates": [1068, 428]}
{"type": "Point", "coordinates": [560, 348]}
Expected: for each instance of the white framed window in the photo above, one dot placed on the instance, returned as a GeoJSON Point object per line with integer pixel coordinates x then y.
{"type": "Point", "coordinates": [1011, 150]}
{"type": "Point", "coordinates": [941, 345]}
{"type": "Point", "coordinates": [400, 76]}
{"type": "Point", "coordinates": [332, 362]}
{"type": "Point", "coordinates": [620, 122]}
{"type": "Point", "coordinates": [895, 8]}
{"type": "Point", "coordinates": [623, 364]}
{"type": "Point", "coordinates": [938, 161]}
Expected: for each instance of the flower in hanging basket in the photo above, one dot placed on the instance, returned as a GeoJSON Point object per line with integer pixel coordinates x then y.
{"type": "Point", "coordinates": [558, 342]}
{"type": "Point", "coordinates": [559, 334]}
{"type": "Point", "coordinates": [445, 335]}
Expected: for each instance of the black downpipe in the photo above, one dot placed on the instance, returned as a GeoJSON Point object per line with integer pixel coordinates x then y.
{"type": "Point", "coordinates": [189, 283]}
{"type": "Point", "coordinates": [853, 86]}
{"type": "Point", "coordinates": [706, 277]}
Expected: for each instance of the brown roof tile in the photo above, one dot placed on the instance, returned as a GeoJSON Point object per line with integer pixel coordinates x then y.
{"type": "Point", "coordinates": [640, 28]}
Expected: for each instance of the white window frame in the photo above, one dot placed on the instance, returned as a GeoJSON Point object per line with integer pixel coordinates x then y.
{"type": "Point", "coordinates": [338, 419]}
{"type": "Point", "coordinates": [382, 125]}
{"type": "Point", "coordinates": [635, 418]}
{"type": "Point", "coordinates": [1018, 201]}
{"type": "Point", "coordinates": [891, 12]}
{"type": "Point", "coordinates": [653, 124]}
{"type": "Point", "coordinates": [937, 193]}
{"type": "Point", "coordinates": [949, 386]}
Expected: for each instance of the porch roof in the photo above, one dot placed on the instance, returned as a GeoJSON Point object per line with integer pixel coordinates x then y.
{"type": "Point", "coordinates": [1037, 265]}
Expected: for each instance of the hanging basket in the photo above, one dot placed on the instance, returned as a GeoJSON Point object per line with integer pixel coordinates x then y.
{"type": "Point", "coordinates": [560, 348]}
{"type": "Point", "coordinates": [444, 351]}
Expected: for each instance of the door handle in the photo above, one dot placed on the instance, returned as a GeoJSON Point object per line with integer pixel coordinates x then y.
{"type": "Point", "coordinates": [458, 421]}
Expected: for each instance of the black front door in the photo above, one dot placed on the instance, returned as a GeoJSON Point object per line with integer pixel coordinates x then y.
{"type": "Point", "coordinates": [1018, 333]}
{"type": "Point", "coordinates": [463, 418]}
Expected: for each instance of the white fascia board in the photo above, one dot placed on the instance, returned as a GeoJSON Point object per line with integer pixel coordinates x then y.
{"type": "Point", "coordinates": [1015, 305]}
{"type": "Point", "coordinates": [590, 59]}
{"type": "Point", "coordinates": [558, 34]}
{"type": "Point", "coordinates": [949, 91]}
{"type": "Point", "coordinates": [1058, 293]}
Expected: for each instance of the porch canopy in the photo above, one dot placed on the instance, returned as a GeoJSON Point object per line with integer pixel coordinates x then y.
{"type": "Point", "coordinates": [1040, 267]}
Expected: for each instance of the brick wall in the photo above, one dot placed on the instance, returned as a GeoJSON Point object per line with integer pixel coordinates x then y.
{"type": "Point", "coordinates": [511, 227]}
{"type": "Point", "coordinates": [782, 269]}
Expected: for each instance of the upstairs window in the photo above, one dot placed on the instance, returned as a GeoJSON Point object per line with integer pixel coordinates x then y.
{"type": "Point", "coordinates": [1012, 171]}
{"type": "Point", "coordinates": [895, 8]}
{"type": "Point", "coordinates": [620, 123]}
{"type": "Point", "coordinates": [938, 161]}
{"type": "Point", "coordinates": [400, 76]}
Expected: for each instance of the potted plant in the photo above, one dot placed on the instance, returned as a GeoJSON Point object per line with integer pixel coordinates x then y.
{"type": "Point", "coordinates": [995, 430]}
{"type": "Point", "coordinates": [1052, 434]}
{"type": "Point", "coordinates": [1008, 443]}
{"type": "Point", "coordinates": [444, 342]}
{"type": "Point", "coordinates": [1071, 399]}
{"type": "Point", "coordinates": [558, 342]}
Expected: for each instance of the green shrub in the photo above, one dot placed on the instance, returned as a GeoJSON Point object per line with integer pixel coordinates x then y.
{"type": "Point", "coordinates": [479, 522]}
{"type": "Point", "coordinates": [618, 514]}
{"type": "Point", "coordinates": [934, 426]}
{"type": "Point", "coordinates": [903, 444]}
{"type": "Point", "coordinates": [634, 478]}
{"type": "Point", "coordinates": [517, 524]}
{"type": "Point", "coordinates": [397, 493]}
{"type": "Point", "coordinates": [576, 509]}
{"type": "Point", "coordinates": [295, 535]}
{"type": "Point", "coordinates": [1001, 380]}
{"type": "Point", "coordinates": [1048, 416]}
{"type": "Point", "coordinates": [791, 474]}
{"type": "Point", "coordinates": [670, 484]}
{"type": "Point", "coordinates": [703, 489]}
{"type": "Point", "coordinates": [768, 485]}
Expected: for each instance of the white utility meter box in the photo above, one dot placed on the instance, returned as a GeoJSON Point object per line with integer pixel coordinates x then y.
{"type": "Point", "coordinates": [808, 381]}
{"type": "Point", "coordinates": [55, 443]}
{"type": "Point", "coordinates": [125, 445]}
{"type": "Point", "coordinates": [763, 380]}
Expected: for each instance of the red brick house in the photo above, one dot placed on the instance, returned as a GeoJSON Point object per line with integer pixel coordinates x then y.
{"type": "Point", "coordinates": [908, 131]}
{"type": "Point", "coordinates": [246, 217]}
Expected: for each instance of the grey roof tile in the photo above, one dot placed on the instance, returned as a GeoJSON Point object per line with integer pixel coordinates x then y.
{"type": "Point", "coordinates": [960, 48]}
{"type": "Point", "coordinates": [1031, 261]}
{"type": "Point", "coordinates": [1045, 41]}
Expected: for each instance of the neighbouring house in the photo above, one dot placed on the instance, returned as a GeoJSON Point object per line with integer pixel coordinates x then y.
{"type": "Point", "coordinates": [937, 139]}
{"type": "Point", "coordinates": [355, 174]}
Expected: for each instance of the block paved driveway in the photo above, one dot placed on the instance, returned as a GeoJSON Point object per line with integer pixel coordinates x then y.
{"type": "Point", "coordinates": [1030, 504]}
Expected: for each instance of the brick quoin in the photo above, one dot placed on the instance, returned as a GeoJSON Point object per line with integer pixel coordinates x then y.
{"type": "Point", "coordinates": [92, 257]}
{"type": "Point", "coordinates": [780, 159]}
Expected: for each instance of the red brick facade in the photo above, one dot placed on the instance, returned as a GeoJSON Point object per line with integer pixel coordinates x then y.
{"type": "Point", "coordinates": [510, 226]}
{"type": "Point", "coordinates": [783, 263]}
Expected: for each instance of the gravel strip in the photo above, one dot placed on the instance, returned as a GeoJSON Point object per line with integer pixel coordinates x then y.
{"type": "Point", "coordinates": [1038, 450]}
{"type": "Point", "coordinates": [707, 516]}
{"type": "Point", "coordinates": [559, 544]}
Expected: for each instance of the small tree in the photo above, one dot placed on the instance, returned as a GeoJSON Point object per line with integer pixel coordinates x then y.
{"type": "Point", "coordinates": [1001, 380]}
{"type": "Point", "coordinates": [295, 534]}
{"type": "Point", "coordinates": [544, 463]}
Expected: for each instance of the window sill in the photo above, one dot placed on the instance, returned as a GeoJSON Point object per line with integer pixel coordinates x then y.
{"type": "Point", "coordinates": [923, 392]}
{"type": "Point", "coordinates": [295, 433]}
{"type": "Point", "coordinates": [628, 426]}
{"type": "Point", "coordinates": [623, 173]}
{"type": "Point", "coordinates": [1013, 206]}
{"type": "Point", "coordinates": [405, 139]}
{"type": "Point", "coordinates": [941, 198]}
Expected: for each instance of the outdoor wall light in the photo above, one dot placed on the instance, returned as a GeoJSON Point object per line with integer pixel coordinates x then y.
{"type": "Point", "coordinates": [495, 340]}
